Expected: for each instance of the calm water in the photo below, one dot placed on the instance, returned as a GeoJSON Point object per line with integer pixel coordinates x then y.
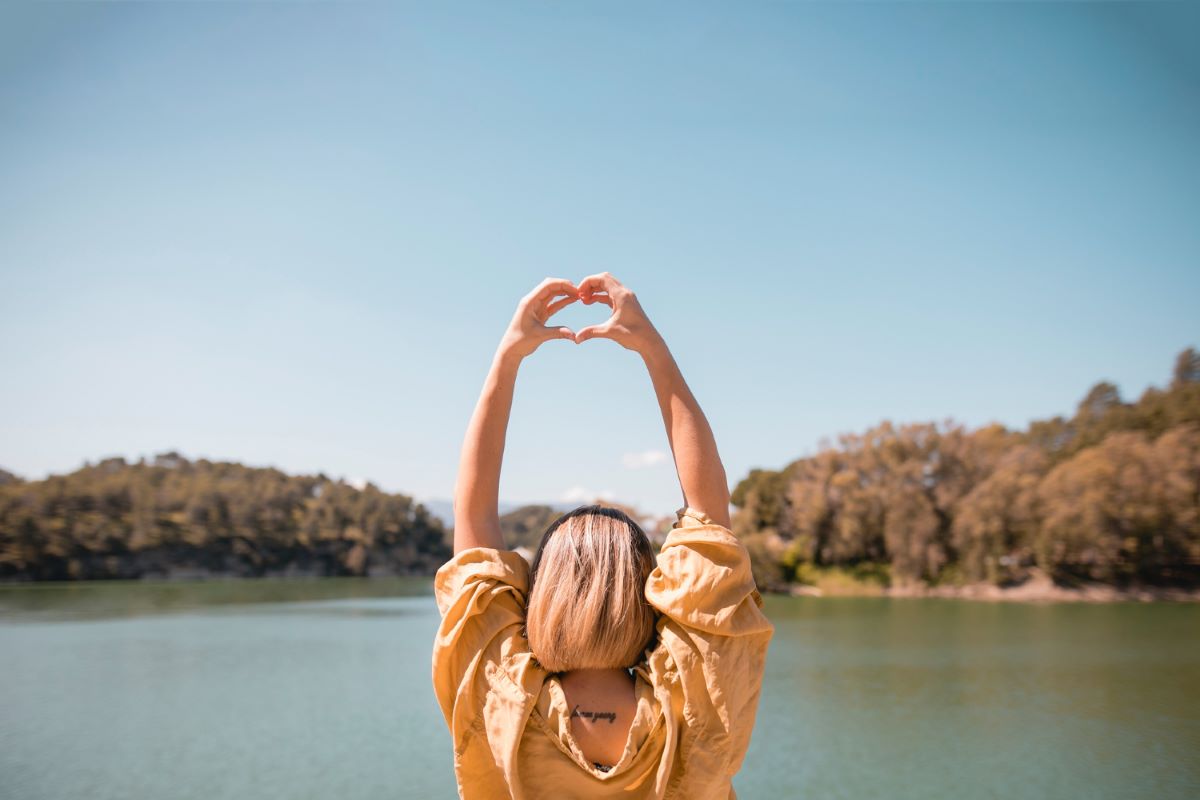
{"type": "Point", "coordinates": [322, 689]}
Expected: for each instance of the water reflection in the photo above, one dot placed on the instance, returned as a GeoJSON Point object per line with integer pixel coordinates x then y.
{"type": "Point", "coordinates": [112, 599]}
{"type": "Point", "coordinates": [870, 697]}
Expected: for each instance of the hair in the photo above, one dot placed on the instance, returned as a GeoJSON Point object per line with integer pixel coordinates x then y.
{"type": "Point", "coordinates": [587, 604]}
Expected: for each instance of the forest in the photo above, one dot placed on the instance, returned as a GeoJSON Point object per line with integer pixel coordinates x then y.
{"type": "Point", "coordinates": [1109, 495]}
{"type": "Point", "coordinates": [174, 518]}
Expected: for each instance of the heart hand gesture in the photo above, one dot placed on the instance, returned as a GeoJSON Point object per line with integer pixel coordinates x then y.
{"type": "Point", "coordinates": [628, 325]}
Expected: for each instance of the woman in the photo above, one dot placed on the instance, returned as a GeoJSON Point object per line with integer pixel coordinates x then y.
{"type": "Point", "coordinates": [601, 670]}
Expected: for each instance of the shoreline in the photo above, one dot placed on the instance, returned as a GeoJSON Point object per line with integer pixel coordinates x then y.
{"type": "Point", "coordinates": [1037, 589]}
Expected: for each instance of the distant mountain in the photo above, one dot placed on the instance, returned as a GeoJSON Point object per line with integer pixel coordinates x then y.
{"type": "Point", "coordinates": [524, 523]}
{"type": "Point", "coordinates": [523, 527]}
{"type": "Point", "coordinates": [443, 509]}
{"type": "Point", "coordinates": [171, 517]}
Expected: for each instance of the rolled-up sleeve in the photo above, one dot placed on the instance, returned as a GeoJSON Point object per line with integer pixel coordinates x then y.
{"type": "Point", "coordinates": [481, 594]}
{"type": "Point", "coordinates": [714, 630]}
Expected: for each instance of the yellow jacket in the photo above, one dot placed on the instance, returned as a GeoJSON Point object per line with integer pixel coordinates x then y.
{"type": "Point", "coordinates": [697, 685]}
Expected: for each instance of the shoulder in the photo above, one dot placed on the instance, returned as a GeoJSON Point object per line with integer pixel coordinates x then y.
{"type": "Point", "coordinates": [477, 567]}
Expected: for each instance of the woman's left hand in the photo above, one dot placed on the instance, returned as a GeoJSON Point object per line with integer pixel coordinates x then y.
{"type": "Point", "coordinates": [528, 328]}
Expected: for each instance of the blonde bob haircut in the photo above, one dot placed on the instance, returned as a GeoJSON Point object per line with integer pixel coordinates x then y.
{"type": "Point", "coordinates": [587, 604]}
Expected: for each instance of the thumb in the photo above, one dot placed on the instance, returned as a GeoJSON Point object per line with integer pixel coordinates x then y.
{"type": "Point", "coordinates": [591, 332]}
{"type": "Point", "coordinates": [552, 332]}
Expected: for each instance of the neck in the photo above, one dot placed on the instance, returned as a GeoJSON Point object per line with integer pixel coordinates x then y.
{"type": "Point", "coordinates": [596, 677]}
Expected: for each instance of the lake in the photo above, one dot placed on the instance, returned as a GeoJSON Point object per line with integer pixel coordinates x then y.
{"type": "Point", "coordinates": [321, 689]}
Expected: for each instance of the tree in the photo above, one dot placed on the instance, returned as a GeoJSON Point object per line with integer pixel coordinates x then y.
{"type": "Point", "coordinates": [996, 523]}
{"type": "Point", "coordinates": [1187, 369]}
{"type": "Point", "coordinates": [1104, 511]}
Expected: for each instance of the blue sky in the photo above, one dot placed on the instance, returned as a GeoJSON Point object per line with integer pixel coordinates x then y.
{"type": "Point", "coordinates": [292, 234]}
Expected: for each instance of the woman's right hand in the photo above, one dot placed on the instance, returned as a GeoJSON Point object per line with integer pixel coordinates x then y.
{"type": "Point", "coordinates": [628, 326]}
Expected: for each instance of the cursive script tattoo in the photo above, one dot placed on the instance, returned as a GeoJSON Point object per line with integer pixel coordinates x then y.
{"type": "Point", "coordinates": [611, 716]}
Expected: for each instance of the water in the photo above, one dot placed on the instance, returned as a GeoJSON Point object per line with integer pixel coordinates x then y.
{"type": "Point", "coordinates": [297, 689]}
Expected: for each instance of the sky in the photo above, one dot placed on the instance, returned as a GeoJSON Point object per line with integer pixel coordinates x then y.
{"type": "Point", "coordinates": [292, 234]}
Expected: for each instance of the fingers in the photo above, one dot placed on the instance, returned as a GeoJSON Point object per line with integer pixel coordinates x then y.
{"type": "Point", "coordinates": [552, 287]}
{"type": "Point", "coordinates": [598, 288]}
{"type": "Point", "coordinates": [558, 305]}
{"type": "Point", "coordinates": [600, 282]}
{"type": "Point", "coordinates": [551, 332]}
{"type": "Point", "coordinates": [598, 298]}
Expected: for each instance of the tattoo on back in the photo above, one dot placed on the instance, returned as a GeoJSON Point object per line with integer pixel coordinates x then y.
{"type": "Point", "coordinates": [611, 716]}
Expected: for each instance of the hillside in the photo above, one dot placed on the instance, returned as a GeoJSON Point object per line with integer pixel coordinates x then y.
{"type": "Point", "coordinates": [171, 517]}
{"type": "Point", "coordinates": [1110, 495]}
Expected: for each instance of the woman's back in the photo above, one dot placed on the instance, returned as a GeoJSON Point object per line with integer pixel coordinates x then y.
{"type": "Point", "coordinates": [695, 693]}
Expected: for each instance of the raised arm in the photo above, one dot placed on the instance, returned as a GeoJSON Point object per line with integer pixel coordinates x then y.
{"type": "Point", "coordinates": [701, 473]}
{"type": "Point", "coordinates": [476, 491]}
